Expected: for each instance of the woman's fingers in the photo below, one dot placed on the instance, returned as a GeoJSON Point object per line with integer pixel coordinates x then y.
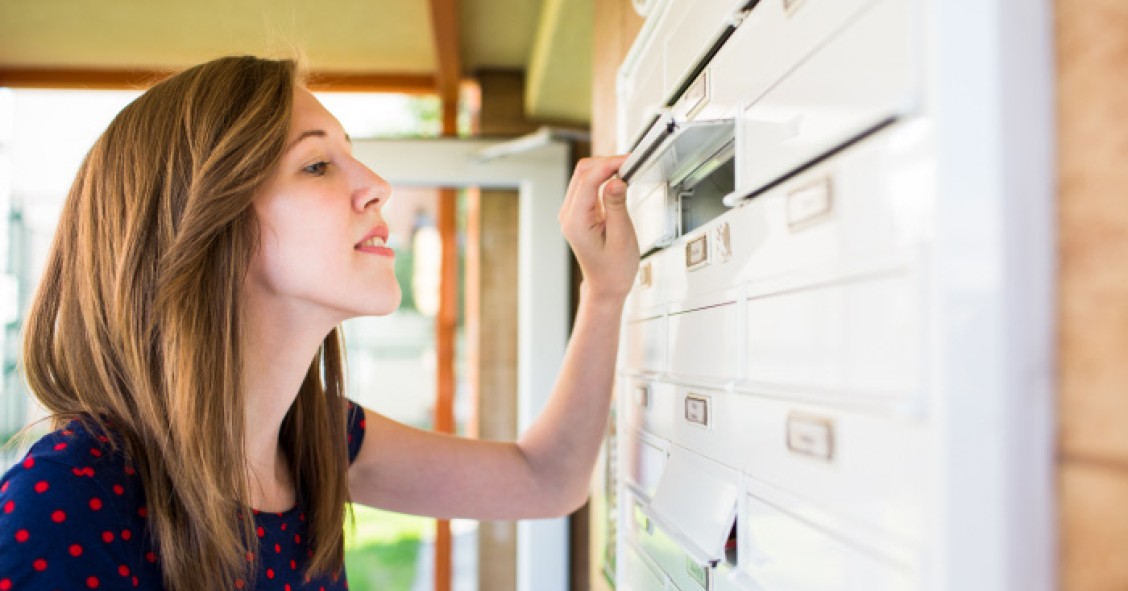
{"type": "Point", "coordinates": [581, 207]}
{"type": "Point", "coordinates": [569, 196]}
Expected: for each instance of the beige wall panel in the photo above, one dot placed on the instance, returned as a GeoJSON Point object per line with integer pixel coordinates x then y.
{"type": "Point", "coordinates": [1094, 535]}
{"type": "Point", "coordinates": [497, 367]}
{"type": "Point", "coordinates": [1092, 46]}
{"type": "Point", "coordinates": [616, 25]}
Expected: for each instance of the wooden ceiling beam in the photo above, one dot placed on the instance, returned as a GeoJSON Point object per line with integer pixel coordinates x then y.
{"type": "Point", "coordinates": [128, 79]}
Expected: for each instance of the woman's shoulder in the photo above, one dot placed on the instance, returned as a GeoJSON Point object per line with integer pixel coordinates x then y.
{"type": "Point", "coordinates": [76, 468]}
{"type": "Point", "coordinates": [71, 512]}
{"type": "Point", "coordinates": [72, 515]}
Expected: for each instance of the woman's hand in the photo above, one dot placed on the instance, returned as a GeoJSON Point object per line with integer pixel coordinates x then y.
{"type": "Point", "coordinates": [594, 220]}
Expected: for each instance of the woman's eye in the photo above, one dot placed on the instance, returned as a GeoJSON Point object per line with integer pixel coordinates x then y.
{"type": "Point", "coordinates": [316, 169]}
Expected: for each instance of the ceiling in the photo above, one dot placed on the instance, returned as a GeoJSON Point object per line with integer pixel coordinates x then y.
{"type": "Point", "coordinates": [548, 39]}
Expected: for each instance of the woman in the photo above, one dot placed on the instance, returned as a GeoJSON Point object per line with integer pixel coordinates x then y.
{"type": "Point", "coordinates": [185, 340]}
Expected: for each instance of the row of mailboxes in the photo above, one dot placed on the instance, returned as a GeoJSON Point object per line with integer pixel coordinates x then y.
{"type": "Point", "coordinates": [771, 394]}
{"type": "Point", "coordinates": [732, 135]}
{"type": "Point", "coordinates": [867, 469]}
{"type": "Point", "coordinates": [709, 526]}
{"type": "Point", "coordinates": [829, 308]}
{"type": "Point", "coordinates": [761, 42]}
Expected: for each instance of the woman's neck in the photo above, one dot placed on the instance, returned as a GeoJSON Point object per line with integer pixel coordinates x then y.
{"type": "Point", "coordinates": [277, 353]}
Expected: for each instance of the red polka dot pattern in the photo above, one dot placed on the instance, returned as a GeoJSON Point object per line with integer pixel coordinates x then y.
{"type": "Point", "coordinates": [73, 515]}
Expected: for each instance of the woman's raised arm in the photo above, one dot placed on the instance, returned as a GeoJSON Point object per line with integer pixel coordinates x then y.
{"type": "Point", "coordinates": [546, 471]}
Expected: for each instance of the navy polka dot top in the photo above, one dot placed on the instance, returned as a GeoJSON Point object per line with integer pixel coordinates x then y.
{"type": "Point", "coordinates": [73, 516]}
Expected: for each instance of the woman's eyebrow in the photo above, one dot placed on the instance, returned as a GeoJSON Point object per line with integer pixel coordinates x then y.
{"type": "Point", "coordinates": [304, 135]}
{"type": "Point", "coordinates": [313, 133]}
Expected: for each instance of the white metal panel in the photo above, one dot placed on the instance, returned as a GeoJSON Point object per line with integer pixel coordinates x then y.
{"type": "Point", "coordinates": [649, 406]}
{"type": "Point", "coordinates": [645, 346]}
{"type": "Point", "coordinates": [705, 344]}
{"type": "Point", "coordinates": [699, 24]}
{"type": "Point", "coordinates": [774, 39]}
{"type": "Point", "coordinates": [675, 37]}
{"type": "Point", "coordinates": [639, 83]}
{"type": "Point", "coordinates": [829, 99]}
{"type": "Point", "coordinates": [782, 551]}
{"type": "Point", "coordinates": [638, 572]}
{"type": "Point", "coordinates": [644, 461]}
{"type": "Point", "coordinates": [709, 257]}
{"type": "Point", "coordinates": [843, 341]}
{"type": "Point", "coordinates": [718, 437]}
{"type": "Point", "coordinates": [881, 196]}
{"type": "Point", "coordinates": [869, 472]}
{"type": "Point", "coordinates": [661, 280]}
{"type": "Point", "coordinates": [993, 282]}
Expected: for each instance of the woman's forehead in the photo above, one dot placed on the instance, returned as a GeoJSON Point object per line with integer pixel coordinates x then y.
{"type": "Point", "coordinates": [310, 114]}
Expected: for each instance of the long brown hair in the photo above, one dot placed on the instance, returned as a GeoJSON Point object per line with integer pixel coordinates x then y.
{"type": "Point", "coordinates": [136, 323]}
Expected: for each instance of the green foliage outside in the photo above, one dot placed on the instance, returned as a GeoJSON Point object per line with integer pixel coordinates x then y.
{"type": "Point", "coordinates": [381, 552]}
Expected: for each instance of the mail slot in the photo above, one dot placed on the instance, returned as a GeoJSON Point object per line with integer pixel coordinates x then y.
{"type": "Point", "coordinates": [678, 177]}
{"type": "Point", "coordinates": [695, 505]}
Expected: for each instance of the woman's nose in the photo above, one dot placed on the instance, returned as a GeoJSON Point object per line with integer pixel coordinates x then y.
{"type": "Point", "coordinates": [373, 190]}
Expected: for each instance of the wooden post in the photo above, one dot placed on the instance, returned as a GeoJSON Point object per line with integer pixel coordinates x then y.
{"type": "Point", "coordinates": [445, 325]}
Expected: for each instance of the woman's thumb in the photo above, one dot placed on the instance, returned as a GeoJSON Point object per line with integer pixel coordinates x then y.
{"type": "Point", "coordinates": [615, 195]}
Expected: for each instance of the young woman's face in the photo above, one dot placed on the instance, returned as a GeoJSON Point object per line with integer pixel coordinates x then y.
{"type": "Point", "coordinates": [321, 232]}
